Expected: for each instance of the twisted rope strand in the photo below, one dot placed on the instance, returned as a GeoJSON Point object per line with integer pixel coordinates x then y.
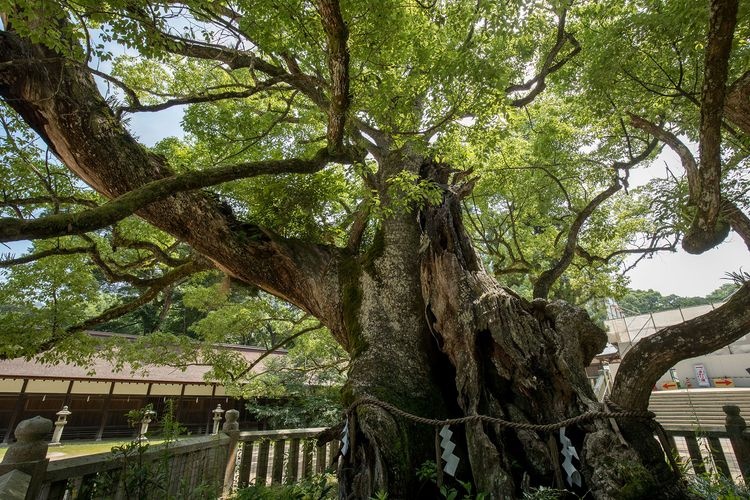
{"type": "Point", "coordinates": [584, 417]}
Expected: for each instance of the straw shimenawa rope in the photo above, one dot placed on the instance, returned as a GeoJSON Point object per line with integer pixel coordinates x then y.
{"type": "Point", "coordinates": [584, 417]}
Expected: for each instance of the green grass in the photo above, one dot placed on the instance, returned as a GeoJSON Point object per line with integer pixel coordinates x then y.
{"type": "Point", "coordinates": [82, 448]}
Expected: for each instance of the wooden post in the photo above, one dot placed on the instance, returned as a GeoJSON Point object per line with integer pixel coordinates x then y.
{"type": "Point", "coordinates": [262, 469]}
{"type": "Point", "coordinates": [695, 453]}
{"type": "Point", "coordinates": [245, 463]}
{"type": "Point", "coordinates": [736, 427]}
{"type": "Point", "coordinates": [105, 413]}
{"type": "Point", "coordinates": [278, 461]}
{"type": "Point", "coordinates": [718, 455]}
{"type": "Point", "coordinates": [307, 460]}
{"type": "Point", "coordinates": [292, 468]}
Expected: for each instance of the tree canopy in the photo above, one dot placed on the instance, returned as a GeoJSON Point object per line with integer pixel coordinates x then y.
{"type": "Point", "coordinates": [380, 169]}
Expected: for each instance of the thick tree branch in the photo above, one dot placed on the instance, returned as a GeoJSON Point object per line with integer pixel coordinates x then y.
{"type": "Point", "coordinates": [651, 357]}
{"type": "Point", "coordinates": [62, 104]}
{"type": "Point", "coordinates": [236, 59]}
{"type": "Point", "coordinates": [737, 103]}
{"type": "Point", "coordinates": [162, 283]}
{"type": "Point", "coordinates": [547, 278]}
{"type": "Point", "coordinates": [338, 66]}
{"type": "Point", "coordinates": [43, 254]}
{"type": "Point", "coordinates": [682, 151]}
{"type": "Point", "coordinates": [536, 85]}
{"type": "Point", "coordinates": [706, 230]}
{"type": "Point", "coordinates": [133, 201]}
{"type": "Point", "coordinates": [737, 220]}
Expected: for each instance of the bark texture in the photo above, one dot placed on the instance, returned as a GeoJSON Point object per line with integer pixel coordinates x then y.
{"type": "Point", "coordinates": [499, 355]}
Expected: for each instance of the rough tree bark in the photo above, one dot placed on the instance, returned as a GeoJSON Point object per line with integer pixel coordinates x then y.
{"type": "Point", "coordinates": [428, 329]}
{"type": "Point", "coordinates": [445, 340]}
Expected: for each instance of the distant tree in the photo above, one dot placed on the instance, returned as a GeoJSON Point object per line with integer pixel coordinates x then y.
{"type": "Point", "coordinates": [647, 301]}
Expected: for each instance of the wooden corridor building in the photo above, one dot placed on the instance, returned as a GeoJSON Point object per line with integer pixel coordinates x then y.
{"type": "Point", "coordinates": [99, 403]}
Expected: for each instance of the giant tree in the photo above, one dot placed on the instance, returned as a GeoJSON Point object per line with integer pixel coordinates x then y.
{"type": "Point", "coordinates": [330, 135]}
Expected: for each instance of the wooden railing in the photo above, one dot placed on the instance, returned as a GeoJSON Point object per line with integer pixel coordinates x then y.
{"type": "Point", "coordinates": [282, 456]}
{"type": "Point", "coordinates": [164, 471]}
{"type": "Point", "coordinates": [213, 466]}
{"type": "Point", "coordinates": [724, 450]}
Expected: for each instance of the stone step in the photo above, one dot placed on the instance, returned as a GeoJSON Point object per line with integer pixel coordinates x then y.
{"type": "Point", "coordinates": [698, 407]}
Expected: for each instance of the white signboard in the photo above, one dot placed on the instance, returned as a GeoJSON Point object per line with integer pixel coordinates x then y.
{"type": "Point", "coordinates": [701, 375]}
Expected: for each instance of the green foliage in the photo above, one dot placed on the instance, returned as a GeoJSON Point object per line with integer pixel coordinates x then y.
{"type": "Point", "coordinates": [648, 301]}
{"type": "Point", "coordinates": [318, 487]}
{"type": "Point", "coordinates": [145, 476]}
{"type": "Point", "coordinates": [711, 486]}
{"type": "Point", "coordinates": [427, 472]}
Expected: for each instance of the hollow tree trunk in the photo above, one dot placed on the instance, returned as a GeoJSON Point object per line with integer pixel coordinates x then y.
{"type": "Point", "coordinates": [438, 337]}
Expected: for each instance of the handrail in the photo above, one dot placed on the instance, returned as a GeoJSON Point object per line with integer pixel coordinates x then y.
{"type": "Point", "coordinates": [280, 434]}
{"type": "Point", "coordinates": [58, 470]}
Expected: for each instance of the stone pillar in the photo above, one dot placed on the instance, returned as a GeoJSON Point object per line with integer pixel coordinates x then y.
{"type": "Point", "coordinates": [736, 428]}
{"type": "Point", "coordinates": [217, 419]}
{"type": "Point", "coordinates": [148, 416]}
{"type": "Point", "coordinates": [62, 419]}
{"type": "Point", "coordinates": [232, 429]}
{"type": "Point", "coordinates": [25, 462]}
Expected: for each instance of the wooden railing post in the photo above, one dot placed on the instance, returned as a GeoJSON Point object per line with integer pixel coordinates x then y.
{"type": "Point", "coordinates": [277, 471]}
{"type": "Point", "coordinates": [232, 429]}
{"type": "Point", "coordinates": [691, 440]}
{"type": "Point", "coordinates": [740, 441]}
{"type": "Point", "coordinates": [25, 462]}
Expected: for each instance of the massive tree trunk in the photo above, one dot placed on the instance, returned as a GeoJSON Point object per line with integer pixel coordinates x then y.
{"type": "Point", "coordinates": [440, 338]}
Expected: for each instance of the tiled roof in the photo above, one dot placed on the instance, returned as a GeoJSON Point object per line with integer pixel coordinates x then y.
{"type": "Point", "coordinates": [101, 369]}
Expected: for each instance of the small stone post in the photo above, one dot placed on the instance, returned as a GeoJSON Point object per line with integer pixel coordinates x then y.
{"type": "Point", "coordinates": [217, 419]}
{"type": "Point", "coordinates": [62, 419]}
{"type": "Point", "coordinates": [25, 463]}
{"type": "Point", "coordinates": [738, 437]}
{"type": "Point", "coordinates": [148, 416]}
{"type": "Point", "coordinates": [232, 429]}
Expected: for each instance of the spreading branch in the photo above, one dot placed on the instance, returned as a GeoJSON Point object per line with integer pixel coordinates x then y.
{"type": "Point", "coordinates": [547, 278]}
{"type": "Point", "coordinates": [123, 206]}
{"type": "Point", "coordinates": [43, 254]}
{"type": "Point", "coordinates": [158, 285]}
{"type": "Point", "coordinates": [273, 349]}
{"type": "Point", "coordinates": [738, 221]}
{"type": "Point", "coordinates": [651, 357]}
{"type": "Point", "coordinates": [705, 229]}
{"type": "Point", "coordinates": [536, 85]}
{"type": "Point", "coordinates": [338, 66]}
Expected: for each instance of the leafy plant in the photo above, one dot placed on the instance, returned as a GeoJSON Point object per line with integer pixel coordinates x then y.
{"type": "Point", "coordinates": [428, 472]}
{"type": "Point", "coordinates": [318, 487]}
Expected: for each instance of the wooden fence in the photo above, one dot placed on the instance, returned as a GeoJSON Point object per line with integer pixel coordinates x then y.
{"type": "Point", "coordinates": [213, 466]}
{"type": "Point", "coordinates": [724, 450]}
{"type": "Point", "coordinates": [204, 467]}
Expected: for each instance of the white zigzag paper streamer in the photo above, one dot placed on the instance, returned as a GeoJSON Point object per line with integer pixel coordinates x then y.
{"type": "Point", "coordinates": [451, 460]}
{"type": "Point", "coordinates": [569, 451]}
{"type": "Point", "coordinates": [345, 439]}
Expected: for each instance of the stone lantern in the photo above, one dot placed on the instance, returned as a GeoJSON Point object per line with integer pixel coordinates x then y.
{"type": "Point", "coordinates": [148, 416]}
{"type": "Point", "coordinates": [217, 419]}
{"type": "Point", "coordinates": [62, 419]}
